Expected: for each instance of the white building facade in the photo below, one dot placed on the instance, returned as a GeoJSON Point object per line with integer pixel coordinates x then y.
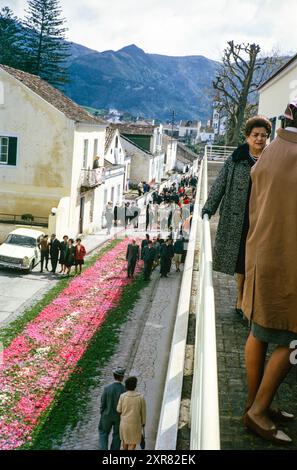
{"type": "Point", "coordinates": [51, 146]}
{"type": "Point", "coordinates": [276, 92]}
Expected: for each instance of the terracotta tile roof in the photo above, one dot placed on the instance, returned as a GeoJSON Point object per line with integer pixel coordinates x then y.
{"type": "Point", "coordinates": [189, 123]}
{"type": "Point", "coordinates": [110, 132]}
{"type": "Point", "coordinates": [108, 164]}
{"type": "Point", "coordinates": [111, 166]}
{"type": "Point", "coordinates": [53, 96]}
{"type": "Point", "coordinates": [135, 129]}
{"type": "Point", "coordinates": [187, 154]}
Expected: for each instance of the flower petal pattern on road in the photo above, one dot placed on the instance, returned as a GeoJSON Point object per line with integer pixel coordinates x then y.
{"type": "Point", "coordinates": [39, 361]}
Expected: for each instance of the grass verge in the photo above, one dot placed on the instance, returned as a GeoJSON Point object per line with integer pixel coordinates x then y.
{"type": "Point", "coordinates": [71, 404]}
{"type": "Point", "coordinates": [7, 334]}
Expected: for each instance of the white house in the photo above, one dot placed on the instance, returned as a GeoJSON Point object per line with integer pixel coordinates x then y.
{"type": "Point", "coordinates": [114, 153]}
{"type": "Point", "coordinates": [276, 92]}
{"type": "Point", "coordinates": [185, 158]}
{"type": "Point", "coordinates": [143, 144]}
{"type": "Point", "coordinates": [206, 135]}
{"type": "Point", "coordinates": [48, 145]}
{"type": "Point", "coordinates": [219, 120]}
{"type": "Point", "coordinates": [113, 185]}
{"type": "Point", "coordinates": [188, 130]}
{"type": "Point", "coordinates": [169, 146]}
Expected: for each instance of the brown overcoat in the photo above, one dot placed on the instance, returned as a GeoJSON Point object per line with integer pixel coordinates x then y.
{"type": "Point", "coordinates": [132, 408]}
{"type": "Point", "coordinates": [270, 292]}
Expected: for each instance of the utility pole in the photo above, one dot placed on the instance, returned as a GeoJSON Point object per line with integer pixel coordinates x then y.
{"type": "Point", "coordinates": [172, 125]}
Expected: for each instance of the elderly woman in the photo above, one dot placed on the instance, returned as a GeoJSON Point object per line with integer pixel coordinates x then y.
{"type": "Point", "coordinates": [232, 189]}
{"type": "Point", "coordinates": [270, 295]}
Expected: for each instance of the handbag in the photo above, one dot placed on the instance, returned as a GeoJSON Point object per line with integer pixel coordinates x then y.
{"type": "Point", "coordinates": [142, 442]}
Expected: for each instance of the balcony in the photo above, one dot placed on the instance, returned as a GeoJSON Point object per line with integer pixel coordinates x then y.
{"type": "Point", "coordinates": [91, 178]}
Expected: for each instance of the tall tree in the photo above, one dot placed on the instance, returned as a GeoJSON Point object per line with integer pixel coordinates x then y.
{"type": "Point", "coordinates": [47, 49]}
{"type": "Point", "coordinates": [10, 38]}
{"type": "Point", "coordinates": [241, 73]}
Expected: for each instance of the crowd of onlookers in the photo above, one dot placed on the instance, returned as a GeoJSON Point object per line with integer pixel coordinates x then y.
{"type": "Point", "coordinates": [66, 252]}
{"type": "Point", "coordinates": [169, 211]}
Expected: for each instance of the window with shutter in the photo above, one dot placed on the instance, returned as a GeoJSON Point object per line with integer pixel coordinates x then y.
{"type": "Point", "coordinates": [4, 150]}
{"type": "Point", "coordinates": [8, 150]}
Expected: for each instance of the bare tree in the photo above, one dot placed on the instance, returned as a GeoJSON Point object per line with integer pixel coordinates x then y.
{"type": "Point", "coordinates": [240, 75]}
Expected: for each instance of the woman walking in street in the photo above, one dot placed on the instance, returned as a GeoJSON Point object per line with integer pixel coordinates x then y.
{"type": "Point", "coordinates": [132, 409]}
{"type": "Point", "coordinates": [232, 189]}
{"type": "Point", "coordinates": [80, 253]}
{"type": "Point", "coordinates": [69, 256]}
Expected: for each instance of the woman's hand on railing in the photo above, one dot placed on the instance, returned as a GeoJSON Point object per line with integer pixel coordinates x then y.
{"type": "Point", "coordinates": [206, 211]}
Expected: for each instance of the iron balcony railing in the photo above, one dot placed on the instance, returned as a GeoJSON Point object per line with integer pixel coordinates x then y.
{"type": "Point", "coordinates": [19, 219]}
{"type": "Point", "coordinates": [91, 178]}
{"type": "Point", "coordinates": [218, 152]}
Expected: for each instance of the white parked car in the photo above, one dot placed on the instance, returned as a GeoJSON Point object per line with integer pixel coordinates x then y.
{"type": "Point", "coordinates": [20, 249]}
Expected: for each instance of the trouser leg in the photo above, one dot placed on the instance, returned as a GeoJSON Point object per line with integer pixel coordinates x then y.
{"type": "Point", "coordinates": [132, 267]}
{"type": "Point", "coordinates": [116, 441]}
{"type": "Point", "coordinates": [103, 439]}
{"type": "Point", "coordinates": [42, 256]}
{"type": "Point", "coordinates": [54, 264]}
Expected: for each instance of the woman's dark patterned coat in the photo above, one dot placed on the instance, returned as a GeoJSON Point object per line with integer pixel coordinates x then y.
{"type": "Point", "coordinates": [231, 189]}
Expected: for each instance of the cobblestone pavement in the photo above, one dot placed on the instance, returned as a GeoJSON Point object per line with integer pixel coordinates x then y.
{"type": "Point", "coordinates": [232, 332]}
{"type": "Point", "coordinates": [143, 349]}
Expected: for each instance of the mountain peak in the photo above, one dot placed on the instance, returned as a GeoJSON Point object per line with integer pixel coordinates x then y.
{"type": "Point", "coordinates": [132, 49]}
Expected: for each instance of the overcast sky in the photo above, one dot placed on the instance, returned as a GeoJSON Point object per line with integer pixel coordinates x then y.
{"type": "Point", "coordinates": [178, 27]}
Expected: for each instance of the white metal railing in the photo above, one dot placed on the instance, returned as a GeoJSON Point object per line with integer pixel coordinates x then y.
{"type": "Point", "coordinates": [205, 428]}
{"type": "Point", "coordinates": [169, 416]}
{"type": "Point", "coordinates": [91, 178]}
{"type": "Point", "coordinates": [218, 152]}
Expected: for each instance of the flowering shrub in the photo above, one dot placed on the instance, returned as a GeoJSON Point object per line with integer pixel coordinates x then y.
{"type": "Point", "coordinates": [40, 360]}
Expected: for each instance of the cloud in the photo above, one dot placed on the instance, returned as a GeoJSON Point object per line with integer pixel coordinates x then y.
{"type": "Point", "coordinates": [178, 27]}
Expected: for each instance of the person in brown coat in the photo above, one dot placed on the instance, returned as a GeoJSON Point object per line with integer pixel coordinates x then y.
{"type": "Point", "coordinates": [270, 294]}
{"type": "Point", "coordinates": [132, 408]}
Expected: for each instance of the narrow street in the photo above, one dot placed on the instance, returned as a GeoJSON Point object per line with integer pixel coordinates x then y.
{"type": "Point", "coordinates": [143, 350]}
{"type": "Point", "coordinates": [143, 347]}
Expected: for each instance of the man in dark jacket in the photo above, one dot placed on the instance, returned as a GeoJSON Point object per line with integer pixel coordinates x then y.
{"type": "Point", "coordinates": [132, 256]}
{"type": "Point", "coordinates": [55, 247]}
{"type": "Point", "coordinates": [165, 257]}
{"type": "Point", "coordinates": [178, 249]}
{"type": "Point", "coordinates": [149, 255]}
{"type": "Point", "coordinates": [115, 214]}
{"type": "Point", "coordinates": [144, 243]}
{"type": "Point", "coordinates": [110, 418]}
